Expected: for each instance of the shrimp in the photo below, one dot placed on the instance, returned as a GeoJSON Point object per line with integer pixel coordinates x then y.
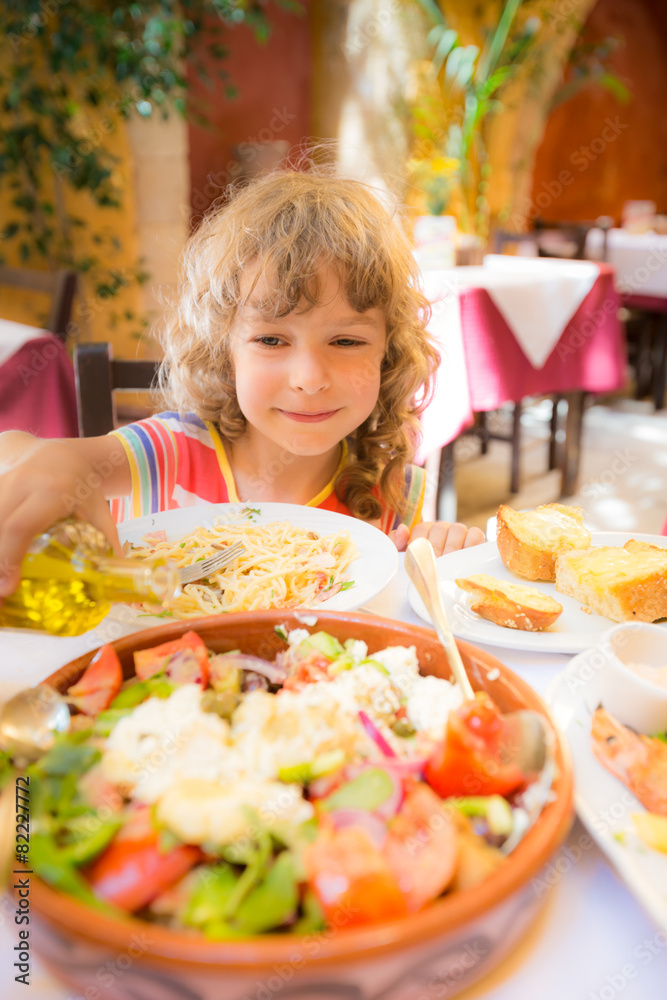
{"type": "Point", "coordinates": [639, 761]}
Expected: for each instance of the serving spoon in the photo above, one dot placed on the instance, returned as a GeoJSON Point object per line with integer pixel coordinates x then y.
{"type": "Point", "coordinates": [526, 737]}
{"type": "Point", "coordinates": [30, 721]}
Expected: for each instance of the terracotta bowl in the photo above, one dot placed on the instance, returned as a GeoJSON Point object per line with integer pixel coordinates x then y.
{"type": "Point", "coordinates": [444, 946]}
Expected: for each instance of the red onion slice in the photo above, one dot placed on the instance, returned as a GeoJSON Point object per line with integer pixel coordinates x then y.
{"type": "Point", "coordinates": [376, 735]}
{"type": "Point", "coordinates": [244, 661]}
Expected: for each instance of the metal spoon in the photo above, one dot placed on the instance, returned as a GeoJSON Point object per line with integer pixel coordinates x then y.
{"type": "Point", "coordinates": [30, 720]}
{"type": "Point", "coordinates": [526, 737]}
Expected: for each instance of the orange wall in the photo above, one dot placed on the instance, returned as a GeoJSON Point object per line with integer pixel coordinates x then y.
{"type": "Point", "coordinates": [274, 84]}
{"type": "Point", "coordinates": [597, 153]}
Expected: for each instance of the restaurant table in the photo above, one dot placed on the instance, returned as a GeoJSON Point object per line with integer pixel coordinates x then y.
{"type": "Point", "coordinates": [639, 260]}
{"type": "Point", "coordinates": [640, 263]}
{"type": "Point", "coordinates": [518, 327]}
{"type": "Point", "coordinates": [589, 941]}
{"type": "Point", "coordinates": [37, 392]}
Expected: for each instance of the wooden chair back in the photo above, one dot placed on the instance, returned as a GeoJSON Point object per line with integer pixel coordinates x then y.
{"type": "Point", "coordinates": [60, 285]}
{"type": "Point", "coordinates": [97, 377]}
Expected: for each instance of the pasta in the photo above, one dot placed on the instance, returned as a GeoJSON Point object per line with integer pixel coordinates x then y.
{"type": "Point", "coordinates": [281, 567]}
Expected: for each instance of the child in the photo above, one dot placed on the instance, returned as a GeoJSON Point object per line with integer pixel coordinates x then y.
{"type": "Point", "coordinates": [293, 369]}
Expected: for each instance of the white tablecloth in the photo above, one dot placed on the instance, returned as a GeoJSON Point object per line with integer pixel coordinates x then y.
{"type": "Point", "coordinates": [590, 942]}
{"type": "Point", "coordinates": [640, 260]}
{"type": "Point", "coordinates": [15, 335]}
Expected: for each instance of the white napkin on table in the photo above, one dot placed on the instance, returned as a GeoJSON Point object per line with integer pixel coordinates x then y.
{"type": "Point", "coordinates": [15, 335]}
{"type": "Point", "coordinates": [537, 297]}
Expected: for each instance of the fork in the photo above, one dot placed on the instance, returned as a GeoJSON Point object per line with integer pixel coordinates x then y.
{"type": "Point", "coordinates": [201, 569]}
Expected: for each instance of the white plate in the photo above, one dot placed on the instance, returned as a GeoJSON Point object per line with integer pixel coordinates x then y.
{"type": "Point", "coordinates": [575, 629]}
{"type": "Point", "coordinates": [371, 571]}
{"type": "Point", "coordinates": [604, 805]}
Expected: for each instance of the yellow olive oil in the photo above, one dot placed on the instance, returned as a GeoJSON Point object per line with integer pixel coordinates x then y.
{"type": "Point", "coordinates": [70, 578]}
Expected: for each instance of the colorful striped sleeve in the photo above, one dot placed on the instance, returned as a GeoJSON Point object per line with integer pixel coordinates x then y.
{"type": "Point", "coordinates": [415, 488]}
{"type": "Point", "coordinates": [152, 451]}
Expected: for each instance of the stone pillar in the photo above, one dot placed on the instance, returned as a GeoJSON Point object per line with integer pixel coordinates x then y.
{"type": "Point", "coordinates": [161, 181]}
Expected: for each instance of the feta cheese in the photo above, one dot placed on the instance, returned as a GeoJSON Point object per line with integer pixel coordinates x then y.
{"type": "Point", "coordinates": [165, 740]}
{"type": "Point", "coordinates": [272, 732]}
{"type": "Point", "coordinates": [429, 703]}
{"type": "Point", "coordinates": [206, 812]}
{"type": "Point", "coordinates": [297, 635]}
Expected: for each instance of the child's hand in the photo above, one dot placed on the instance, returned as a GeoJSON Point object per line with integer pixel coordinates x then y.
{"type": "Point", "coordinates": [443, 536]}
{"type": "Point", "coordinates": [50, 481]}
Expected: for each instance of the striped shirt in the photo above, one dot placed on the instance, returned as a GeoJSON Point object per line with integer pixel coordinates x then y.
{"type": "Point", "coordinates": [180, 461]}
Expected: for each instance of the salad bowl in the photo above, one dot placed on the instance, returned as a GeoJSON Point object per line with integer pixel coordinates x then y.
{"type": "Point", "coordinates": [437, 950]}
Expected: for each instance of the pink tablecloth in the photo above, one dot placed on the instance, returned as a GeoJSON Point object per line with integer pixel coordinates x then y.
{"type": "Point", "coordinates": [590, 356]}
{"type": "Point", "coordinates": [37, 389]}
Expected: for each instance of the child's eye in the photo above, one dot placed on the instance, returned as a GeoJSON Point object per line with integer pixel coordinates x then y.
{"type": "Point", "coordinates": [269, 341]}
{"type": "Point", "coordinates": [347, 342]}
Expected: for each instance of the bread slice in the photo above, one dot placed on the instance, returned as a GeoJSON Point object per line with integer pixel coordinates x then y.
{"type": "Point", "coordinates": [623, 584]}
{"type": "Point", "coordinates": [510, 604]}
{"type": "Point", "coordinates": [529, 541]}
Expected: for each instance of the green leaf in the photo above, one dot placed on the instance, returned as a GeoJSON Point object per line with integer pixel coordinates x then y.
{"type": "Point", "coordinates": [214, 886]}
{"type": "Point", "coordinates": [271, 903]}
{"type": "Point", "coordinates": [367, 791]}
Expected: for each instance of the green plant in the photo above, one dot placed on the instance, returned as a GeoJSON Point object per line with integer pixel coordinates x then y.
{"type": "Point", "coordinates": [466, 86]}
{"type": "Point", "coordinates": [70, 73]}
{"type": "Point", "coordinates": [470, 84]}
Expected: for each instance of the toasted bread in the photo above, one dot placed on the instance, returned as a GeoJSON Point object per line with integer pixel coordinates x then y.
{"type": "Point", "coordinates": [529, 541]}
{"type": "Point", "coordinates": [510, 604]}
{"type": "Point", "coordinates": [623, 584]}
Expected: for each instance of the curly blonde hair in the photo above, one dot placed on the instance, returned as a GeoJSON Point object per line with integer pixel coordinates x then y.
{"type": "Point", "coordinates": [296, 225]}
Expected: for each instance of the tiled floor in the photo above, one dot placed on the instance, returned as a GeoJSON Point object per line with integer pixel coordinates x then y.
{"type": "Point", "coordinates": [623, 480]}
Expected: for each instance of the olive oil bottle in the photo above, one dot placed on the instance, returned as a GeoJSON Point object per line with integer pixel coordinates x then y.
{"type": "Point", "coordinates": [70, 578]}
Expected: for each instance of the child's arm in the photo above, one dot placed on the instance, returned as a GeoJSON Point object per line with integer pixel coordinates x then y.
{"type": "Point", "coordinates": [43, 481]}
{"type": "Point", "coordinates": [443, 536]}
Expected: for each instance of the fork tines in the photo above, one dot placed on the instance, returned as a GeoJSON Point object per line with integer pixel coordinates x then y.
{"type": "Point", "coordinates": [199, 570]}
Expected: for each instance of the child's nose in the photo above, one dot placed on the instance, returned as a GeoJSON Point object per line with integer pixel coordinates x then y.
{"type": "Point", "coordinates": [309, 373]}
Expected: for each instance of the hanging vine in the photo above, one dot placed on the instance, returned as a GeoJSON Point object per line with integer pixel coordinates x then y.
{"type": "Point", "coordinates": [70, 74]}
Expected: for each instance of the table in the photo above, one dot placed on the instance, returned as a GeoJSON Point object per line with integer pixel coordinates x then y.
{"type": "Point", "coordinates": [640, 262]}
{"type": "Point", "coordinates": [519, 327]}
{"type": "Point", "coordinates": [639, 259]}
{"type": "Point", "coordinates": [37, 392]}
{"type": "Point", "coordinates": [586, 943]}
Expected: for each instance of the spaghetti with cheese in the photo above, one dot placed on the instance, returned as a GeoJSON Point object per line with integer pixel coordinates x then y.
{"type": "Point", "coordinates": [281, 567]}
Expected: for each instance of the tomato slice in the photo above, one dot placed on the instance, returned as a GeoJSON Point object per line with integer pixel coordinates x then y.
{"type": "Point", "coordinates": [469, 761]}
{"type": "Point", "coordinates": [422, 847]}
{"type": "Point", "coordinates": [313, 667]}
{"type": "Point", "coordinates": [99, 684]}
{"type": "Point", "coordinates": [351, 879]}
{"type": "Point", "coordinates": [132, 872]}
{"type": "Point", "coordinates": [184, 660]}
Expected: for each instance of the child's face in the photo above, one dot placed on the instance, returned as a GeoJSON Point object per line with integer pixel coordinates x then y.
{"type": "Point", "coordinates": [307, 380]}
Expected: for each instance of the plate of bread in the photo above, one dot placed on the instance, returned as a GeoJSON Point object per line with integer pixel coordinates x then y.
{"type": "Point", "coordinates": [548, 583]}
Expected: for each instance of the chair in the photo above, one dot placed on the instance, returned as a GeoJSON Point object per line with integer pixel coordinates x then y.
{"type": "Point", "coordinates": [60, 285]}
{"type": "Point", "coordinates": [97, 377]}
{"type": "Point", "coordinates": [572, 236]}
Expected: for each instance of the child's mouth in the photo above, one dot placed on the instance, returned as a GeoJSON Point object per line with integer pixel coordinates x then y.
{"type": "Point", "coordinates": [309, 417]}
